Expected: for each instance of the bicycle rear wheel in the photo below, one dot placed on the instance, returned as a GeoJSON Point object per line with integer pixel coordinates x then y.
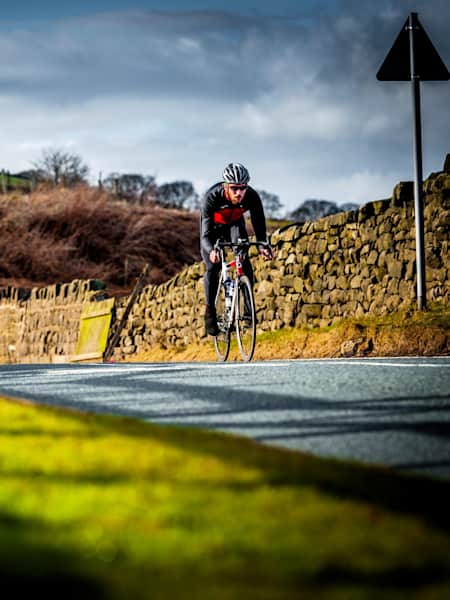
{"type": "Point", "coordinates": [246, 319]}
{"type": "Point", "coordinates": [222, 340]}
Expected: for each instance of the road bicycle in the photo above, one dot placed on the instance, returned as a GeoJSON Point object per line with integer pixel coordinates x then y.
{"type": "Point", "coordinates": [235, 303]}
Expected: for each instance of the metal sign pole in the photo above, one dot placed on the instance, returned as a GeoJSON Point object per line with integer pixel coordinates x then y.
{"type": "Point", "coordinates": [418, 177]}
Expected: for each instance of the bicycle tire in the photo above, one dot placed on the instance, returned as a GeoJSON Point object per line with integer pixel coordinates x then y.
{"type": "Point", "coordinates": [246, 319]}
{"type": "Point", "coordinates": [222, 340]}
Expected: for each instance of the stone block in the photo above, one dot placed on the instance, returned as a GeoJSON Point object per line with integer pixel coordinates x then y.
{"type": "Point", "coordinates": [410, 270]}
{"type": "Point", "coordinates": [331, 282]}
{"type": "Point", "coordinates": [406, 289]}
{"type": "Point", "coordinates": [312, 298]}
{"type": "Point", "coordinates": [291, 259]}
{"type": "Point", "coordinates": [355, 282]}
{"type": "Point", "coordinates": [446, 167]}
{"type": "Point", "coordinates": [385, 242]}
{"type": "Point", "coordinates": [337, 296]}
{"type": "Point", "coordinates": [368, 233]}
{"type": "Point", "coordinates": [298, 284]}
{"type": "Point", "coordinates": [403, 193]}
{"type": "Point", "coordinates": [264, 289]}
{"type": "Point", "coordinates": [392, 287]}
{"type": "Point", "coordinates": [338, 220]}
{"type": "Point", "coordinates": [380, 206]}
{"type": "Point", "coordinates": [311, 311]}
{"type": "Point", "coordinates": [394, 267]}
{"type": "Point", "coordinates": [342, 282]}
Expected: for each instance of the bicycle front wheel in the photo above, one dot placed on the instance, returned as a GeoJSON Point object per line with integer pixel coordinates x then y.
{"type": "Point", "coordinates": [246, 319]}
{"type": "Point", "coordinates": [222, 339]}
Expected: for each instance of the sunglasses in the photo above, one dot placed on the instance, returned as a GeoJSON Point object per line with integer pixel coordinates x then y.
{"type": "Point", "coordinates": [235, 188]}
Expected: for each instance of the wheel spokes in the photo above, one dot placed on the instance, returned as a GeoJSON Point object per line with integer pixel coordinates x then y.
{"type": "Point", "coordinates": [245, 320]}
{"type": "Point", "coordinates": [222, 340]}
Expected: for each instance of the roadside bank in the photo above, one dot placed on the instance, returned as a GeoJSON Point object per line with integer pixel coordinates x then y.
{"type": "Point", "coordinates": [403, 333]}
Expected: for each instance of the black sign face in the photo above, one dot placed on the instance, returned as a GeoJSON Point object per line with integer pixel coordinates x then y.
{"type": "Point", "coordinates": [429, 66]}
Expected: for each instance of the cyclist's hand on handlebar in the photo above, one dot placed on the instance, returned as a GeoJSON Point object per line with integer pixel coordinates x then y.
{"type": "Point", "coordinates": [214, 256]}
{"type": "Point", "coordinates": [266, 252]}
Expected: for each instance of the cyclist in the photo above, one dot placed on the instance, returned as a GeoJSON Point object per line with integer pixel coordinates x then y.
{"type": "Point", "coordinates": [222, 216]}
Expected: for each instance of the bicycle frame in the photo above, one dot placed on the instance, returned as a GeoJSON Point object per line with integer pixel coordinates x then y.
{"type": "Point", "coordinates": [239, 249]}
{"type": "Point", "coordinates": [237, 312]}
{"type": "Point", "coordinates": [226, 267]}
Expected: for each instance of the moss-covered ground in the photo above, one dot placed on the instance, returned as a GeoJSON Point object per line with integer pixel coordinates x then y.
{"type": "Point", "coordinates": [106, 507]}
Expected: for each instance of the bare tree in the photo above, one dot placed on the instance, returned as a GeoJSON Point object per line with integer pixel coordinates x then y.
{"type": "Point", "coordinates": [133, 187]}
{"type": "Point", "coordinates": [313, 208]}
{"type": "Point", "coordinates": [178, 194]}
{"type": "Point", "coordinates": [271, 203]}
{"type": "Point", "coordinates": [59, 166]}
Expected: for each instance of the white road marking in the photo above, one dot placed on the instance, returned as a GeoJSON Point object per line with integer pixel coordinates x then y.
{"type": "Point", "coordinates": [377, 363]}
{"type": "Point", "coordinates": [111, 369]}
{"type": "Point", "coordinates": [149, 367]}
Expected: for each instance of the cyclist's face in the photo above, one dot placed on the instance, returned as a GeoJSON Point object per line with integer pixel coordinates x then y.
{"type": "Point", "coordinates": [235, 193]}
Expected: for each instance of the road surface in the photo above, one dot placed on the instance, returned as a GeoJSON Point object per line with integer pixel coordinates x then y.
{"type": "Point", "coordinates": [390, 411]}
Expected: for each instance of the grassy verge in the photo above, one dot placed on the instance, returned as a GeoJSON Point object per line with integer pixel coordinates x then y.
{"type": "Point", "coordinates": [408, 333]}
{"type": "Point", "coordinates": [14, 182]}
{"type": "Point", "coordinates": [103, 507]}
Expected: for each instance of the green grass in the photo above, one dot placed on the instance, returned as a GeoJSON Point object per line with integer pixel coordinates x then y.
{"type": "Point", "coordinates": [436, 315]}
{"type": "Point", "coordinates": [14, 182]}
{"type": "Point", "coordinates": [105, 507]}
{"type": "Point", "coordinates": [406, 332]}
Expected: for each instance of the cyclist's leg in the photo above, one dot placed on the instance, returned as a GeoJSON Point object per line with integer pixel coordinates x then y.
{"type": "Point", "coordinates": [248, 270]}
{"type": "Point", "coordinates": [210, 280]}
{"type": "Point", "coordinates": [210, 284]}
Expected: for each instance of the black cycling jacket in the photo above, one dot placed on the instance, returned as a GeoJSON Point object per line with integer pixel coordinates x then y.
{"type": "Point", "coordinates": [218, 214]}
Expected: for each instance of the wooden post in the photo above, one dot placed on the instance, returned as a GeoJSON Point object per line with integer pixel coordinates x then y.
{"type": "Point", "coordinates": [137, 290]}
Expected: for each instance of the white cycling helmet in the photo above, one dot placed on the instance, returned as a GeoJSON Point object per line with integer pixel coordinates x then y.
{"type": "Point", "coordinates": [236, 173]}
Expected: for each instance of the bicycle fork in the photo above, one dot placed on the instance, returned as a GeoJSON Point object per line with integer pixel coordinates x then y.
{"type": "Point", "coordinates": [231, 296]}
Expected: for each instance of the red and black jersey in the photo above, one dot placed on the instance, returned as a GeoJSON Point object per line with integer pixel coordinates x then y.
{"type": "Point", "coordinates": [218, 214]}
{"type": "Point", "coordinates": [227, 215]}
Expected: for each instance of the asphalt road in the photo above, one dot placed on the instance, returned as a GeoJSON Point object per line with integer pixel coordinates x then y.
{"type": "Point", "coordinates": [390, 411]}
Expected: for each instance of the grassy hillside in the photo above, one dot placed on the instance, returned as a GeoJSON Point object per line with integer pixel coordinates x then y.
{"type": "Point", "coordinates": [60, 235]}
{"type": "Point", "coordinates": [54, 236]}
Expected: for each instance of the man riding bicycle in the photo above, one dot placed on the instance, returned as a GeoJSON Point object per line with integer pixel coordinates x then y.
{"type": "Point", "coordinates": [222, 217]}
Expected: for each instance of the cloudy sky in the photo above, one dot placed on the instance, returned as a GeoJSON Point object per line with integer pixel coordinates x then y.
{"type": "Point", "coordinates": [179, 89]}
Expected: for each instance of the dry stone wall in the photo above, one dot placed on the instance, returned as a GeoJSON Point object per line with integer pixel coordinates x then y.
{"type": "Point", "coordinates": [43, 325]}
{"type": "Point", "coordinates": [349, 264]}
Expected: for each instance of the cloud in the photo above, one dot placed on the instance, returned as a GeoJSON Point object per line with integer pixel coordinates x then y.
{"type": "Point", "coordinates": [361, 186]}
{"type": "Point", "coordinates": [180, 94]}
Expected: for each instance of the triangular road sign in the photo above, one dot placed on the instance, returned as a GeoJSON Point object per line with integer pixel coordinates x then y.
{"type": "Point", "coordinates": [429, 66]}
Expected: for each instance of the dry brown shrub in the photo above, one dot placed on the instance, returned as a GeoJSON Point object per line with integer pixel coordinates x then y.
{"type": "Point", "coordinates": [83, 233]}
